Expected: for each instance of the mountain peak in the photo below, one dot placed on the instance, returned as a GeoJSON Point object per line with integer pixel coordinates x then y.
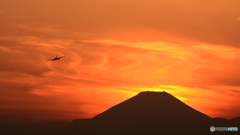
{"type": "Point", "coordinates": [154, 94]}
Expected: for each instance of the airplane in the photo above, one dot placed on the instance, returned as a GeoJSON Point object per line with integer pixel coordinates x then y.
{"type": "Point", "coordinates": [56, 58]}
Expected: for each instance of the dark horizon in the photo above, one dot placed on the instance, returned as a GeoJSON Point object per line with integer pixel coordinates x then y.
{"type": "Point", "coordinates": [147, 109]}
{"type": "Point", "coordinates": [27, 120]}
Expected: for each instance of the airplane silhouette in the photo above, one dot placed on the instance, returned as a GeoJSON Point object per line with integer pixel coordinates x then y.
{"type": "Point", "coordinates": [56, 58]}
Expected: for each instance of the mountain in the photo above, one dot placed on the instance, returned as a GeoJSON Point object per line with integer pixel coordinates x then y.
{"type": "Point", "coordinates": [149, 113]}
{"type": "Point", "coordinates": [152, 107]}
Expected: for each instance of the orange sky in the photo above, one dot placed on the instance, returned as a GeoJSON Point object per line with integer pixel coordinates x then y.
{"type": "Point", "coordinates": [115, 49]}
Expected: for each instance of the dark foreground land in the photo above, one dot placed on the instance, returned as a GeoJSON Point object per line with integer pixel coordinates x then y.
{"type": "Point", "coordinates": [148, 113]}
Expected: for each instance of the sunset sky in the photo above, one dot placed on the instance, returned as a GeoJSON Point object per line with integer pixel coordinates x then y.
{"type": "Point", "coordinates": [113, 50]}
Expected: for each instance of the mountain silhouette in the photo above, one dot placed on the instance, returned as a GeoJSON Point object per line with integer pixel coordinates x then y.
{"type": "Point", "coordinates": [152, 106]}
{"type": "Point", "coordinates": [149, 113]}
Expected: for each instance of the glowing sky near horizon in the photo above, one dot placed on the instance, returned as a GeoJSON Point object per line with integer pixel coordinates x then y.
{"type": "Point", "coordinates": [114, 50]}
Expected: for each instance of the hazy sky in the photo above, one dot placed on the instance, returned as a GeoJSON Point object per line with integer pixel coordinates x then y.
{"type": "Point", "coordinates": [115, 49]}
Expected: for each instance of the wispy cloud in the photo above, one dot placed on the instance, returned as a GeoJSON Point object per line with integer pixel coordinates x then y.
{"type": "Point", "coordinates": [44, 29]}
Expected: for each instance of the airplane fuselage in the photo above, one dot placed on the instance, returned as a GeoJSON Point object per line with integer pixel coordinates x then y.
{"type": "Point", "coordinates": [56, 58]}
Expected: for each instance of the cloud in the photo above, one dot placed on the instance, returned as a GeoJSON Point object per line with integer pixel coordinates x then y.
{"type": "Point", "coordinates": [47, 28]}
{"type": "Point", "coordinates": [102, 60]}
